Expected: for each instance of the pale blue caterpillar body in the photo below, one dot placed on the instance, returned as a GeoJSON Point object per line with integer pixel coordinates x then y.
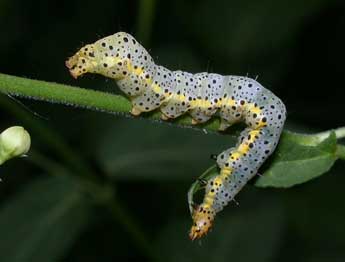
{"type": "Point", "coordinates": [202, 95]}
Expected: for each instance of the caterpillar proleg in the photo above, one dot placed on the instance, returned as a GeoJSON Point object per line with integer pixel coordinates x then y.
{"type": "Point", "coordinates": [202, 95]}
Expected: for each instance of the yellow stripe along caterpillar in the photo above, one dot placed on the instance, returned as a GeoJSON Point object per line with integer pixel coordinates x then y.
{"type": "Point", "coordinates": [202, 95]}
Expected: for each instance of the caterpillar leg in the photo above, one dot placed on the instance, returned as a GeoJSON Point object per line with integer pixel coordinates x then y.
{"type": "Point", "coordinates": [164, 117]}
{"type": "Point", "coordinates": [135, 111]}
{"type": "Point", "coordinates": [194, 122]}
{"type": "Point", "coordinates": [223, 125]}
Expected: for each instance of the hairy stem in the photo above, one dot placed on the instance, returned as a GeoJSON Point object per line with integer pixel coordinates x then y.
{"type": "Point", "coordinates": [79, 97]}
{"type": "Point", "coordinates": [110, 103]}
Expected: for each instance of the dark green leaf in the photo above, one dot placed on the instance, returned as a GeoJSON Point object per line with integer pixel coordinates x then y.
{"type": "Point", "coordinates": [298, 159]}
{"type": "Point", "coordinates": [42, 221]}
{"type": "Point", "coordinates": [294, 162]}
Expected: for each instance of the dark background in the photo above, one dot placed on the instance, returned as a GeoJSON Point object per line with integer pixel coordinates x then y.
{"type": "Point", "coordinates": [295, 48]}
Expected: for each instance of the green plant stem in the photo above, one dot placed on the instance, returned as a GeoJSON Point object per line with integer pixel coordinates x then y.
{"type": "Point", "coordinates": [146, 13]}
{"type": "Point", "coordinates": [79, 97]}
{"type": "Point", "coordinates": [340, 152]}
{"type": "Point", "coordinates": [106, 102]}
{"type": "Point", "coordinates": [339, 133]}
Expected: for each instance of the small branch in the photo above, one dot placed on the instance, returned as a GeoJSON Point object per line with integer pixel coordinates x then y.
{"type": "Point", "coordinates": [62, 94]}
{"type": "Point", "coordinates": [339, 133]}
{"type": "Point", "coordinates": [146, 12]}
{"type": "Point", "coordinates": [84, 98]}
{"type": "Point", "coordinates": [110, 103]}
{"type": "Point", "coordinates": [340, 152]}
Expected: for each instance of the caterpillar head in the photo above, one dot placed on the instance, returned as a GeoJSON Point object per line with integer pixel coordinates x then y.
{"type": "Point", "coordinates": [83, 61]}
{"type": "Point", "coordinates": [93, 58]}
{"type": "Point", "coordinates": [203, 217]}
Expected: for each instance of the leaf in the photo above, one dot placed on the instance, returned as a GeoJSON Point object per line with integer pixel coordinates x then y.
{"type": "Point", "coordinates": [252, 235]}
{"type": "Point", "coordinates": [197, 185]}
{"type": "Point", "coordinates": [42, 221]}
{"type": "Point", "coordinates": [294, 162]}
{"type": "Point", "coordinates": [297, 159]}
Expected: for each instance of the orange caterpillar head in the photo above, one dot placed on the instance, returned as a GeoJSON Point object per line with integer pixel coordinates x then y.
{"type": "Point", "coordinates": [203, 217]}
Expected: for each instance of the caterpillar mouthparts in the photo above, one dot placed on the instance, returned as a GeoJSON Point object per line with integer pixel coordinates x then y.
{"type": "Point", "coordinates": [84, 61]}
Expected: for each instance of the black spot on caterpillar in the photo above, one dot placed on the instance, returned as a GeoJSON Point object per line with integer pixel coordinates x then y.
{"type": "Point", "coordinates": [235, 98]}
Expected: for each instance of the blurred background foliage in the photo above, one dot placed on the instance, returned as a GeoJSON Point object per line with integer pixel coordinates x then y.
{"type": "Point", "coordinates": [101, 187]}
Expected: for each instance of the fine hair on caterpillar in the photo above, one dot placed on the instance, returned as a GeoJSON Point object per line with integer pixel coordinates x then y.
{"type": "Point", "coordinates": [202, 95]}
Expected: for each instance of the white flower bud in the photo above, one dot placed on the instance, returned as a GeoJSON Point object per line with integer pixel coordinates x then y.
{"type": "Point", "coordinates": [14, 141]}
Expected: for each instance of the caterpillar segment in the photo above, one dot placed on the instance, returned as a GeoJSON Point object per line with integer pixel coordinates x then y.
{"type": "Point", "coordinates": [233, 98]}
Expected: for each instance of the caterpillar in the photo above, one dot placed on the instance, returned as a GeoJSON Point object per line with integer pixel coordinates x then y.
{"type": "Point", "coordinates": [202, 95]}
